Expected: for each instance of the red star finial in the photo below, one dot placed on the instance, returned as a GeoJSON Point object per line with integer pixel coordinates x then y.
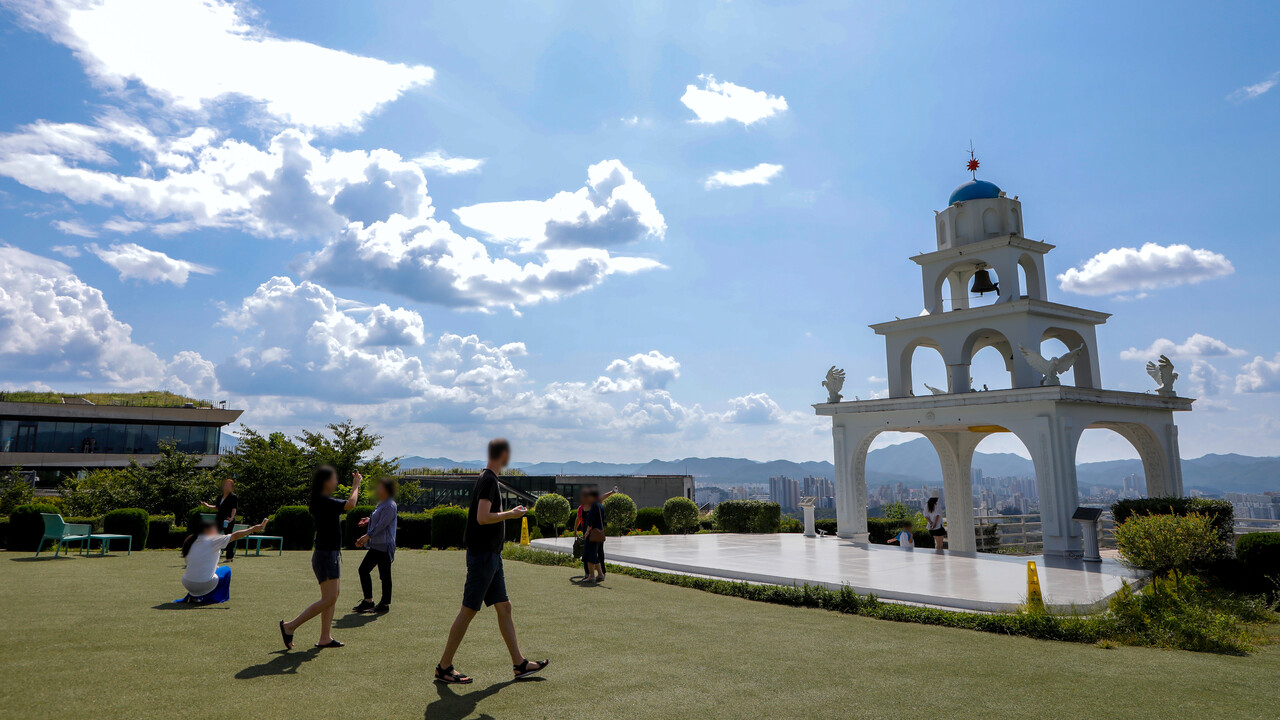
{"type": "Point", "coordinates": [972, 165]}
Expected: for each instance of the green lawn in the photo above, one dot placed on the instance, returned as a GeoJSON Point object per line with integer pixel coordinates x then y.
{"type": "Point", "coordinates": [95, 638]}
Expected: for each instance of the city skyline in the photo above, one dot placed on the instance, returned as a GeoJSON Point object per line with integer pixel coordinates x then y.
{"type": "Point", "coordinates": [636, 232]}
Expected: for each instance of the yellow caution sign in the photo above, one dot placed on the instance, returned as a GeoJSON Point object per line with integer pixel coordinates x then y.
{"type": "Point", "coordinates": [1034, 598]}
{"type": "Point", "coordinates": [524, 534]}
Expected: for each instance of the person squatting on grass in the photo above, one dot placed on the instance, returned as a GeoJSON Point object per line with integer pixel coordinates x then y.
{"type": "Point", "coordinates": [206, 583]}
{"type": "Point", "coordinates": [380, 538]}
{"type": "Point", "coordinates": [326, 559]}
{"type": "Point", "coordinates": [483, 538]}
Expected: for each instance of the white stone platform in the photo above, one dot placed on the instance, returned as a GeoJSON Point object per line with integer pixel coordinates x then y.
{"type": "Point", "coordinates": [964, 581]}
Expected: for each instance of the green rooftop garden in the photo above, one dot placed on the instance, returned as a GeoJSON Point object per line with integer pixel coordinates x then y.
{"type": "Point", "coordinates": [148, 398]}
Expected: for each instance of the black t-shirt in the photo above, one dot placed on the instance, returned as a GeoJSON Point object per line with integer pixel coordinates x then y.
{"type": "Point", "coordinates": [226, 505]}
{"type": "Point", "coordinates": [485, 538]}
{"type": "Point", "coordinates": [327, 512]}
{"type": "Point", "coordinates": [594, 518]}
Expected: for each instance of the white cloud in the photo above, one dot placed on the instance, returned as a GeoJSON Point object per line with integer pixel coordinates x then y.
{"type": "Point", "coordinates": [74, 227]}
{"type": "Point", "coordinates": [1249, 92]}
{"type": "Point", "coordinates": [716, 102]}
{"type": "Point", "coordinates": [135, 262]}
{"type": "Point", "coordinates": [642, 371]}
{"type": "Point", "coordinates": [191, 54]}
{"type": "Point", "coordinates": [1147, 268]}
{"type": "Point", "coordinates": [1196, 346]}
{"type": "Point", "coordinates": [436, 161]}
{"type": "Point", "coordinates": [759, 175]}
{"type": "Point", "coordinates": [1259, 375]}
{"type": "Point", "coordinates": [754, 408]}
{"type": "Point", "coordinates": [69, 251]}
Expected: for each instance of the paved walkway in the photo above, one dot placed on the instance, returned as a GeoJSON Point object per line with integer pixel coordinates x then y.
{"type": "Point", "coordinates": [968, 581]}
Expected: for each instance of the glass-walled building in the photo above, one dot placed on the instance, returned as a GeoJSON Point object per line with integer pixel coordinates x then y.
{"type": "Point", "coordinates": [58, 439]}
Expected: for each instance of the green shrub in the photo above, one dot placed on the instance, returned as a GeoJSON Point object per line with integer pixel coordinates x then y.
{"type": "Point", "coordinates": [128, 521]}
{"type": "Point", "coordinates": [680, 515]}
{"type": "Point", "coordinates": [828, 525]}
{"type": "Point", "coordinates": [158, 528]}
{"type": "Point", "coordinates": [93, 522]}
{"type": "Point", "coordinates": [1185, 614]}
{"type": "Point", "coordinates": [414, 530]}
{"type": "Point", "coordinates": [552, 510]}
{"type": "Point", "coordinates": [4, 532]}
{"type": "Point", "coordinates": [448, 524]}
{"type": "Point", "coordinates": [881, 530]}
{"type": "Point", "coordinates": [619, 513]}
{"type": "Point", "coordinates": [351, 524]}
{"type": "Point", "coordinates": [193, 516]}
{"type": "Point", "coordinates": [748, 516]}
{"type": "Point", "coordinates": [707, 523]}
{"type": "Point", "coordinates": [789, 524]}
{"type": "Point", "coordinates": [1220, 513]}
{"type": "Point", "coordinates": [650, 518]}
{"type": "Point", "coordinates": [1259, 556]}
{"type": "Point", "coordinates": [26, 527]}
{"type": "Point", "coordinates": [295, 524]}
{"type": "Point", "coordinates": [1163, 544]}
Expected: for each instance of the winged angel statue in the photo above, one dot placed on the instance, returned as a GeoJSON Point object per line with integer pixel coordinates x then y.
{"type": "Point", "coordinates": [834, 384]}
{"type": "Point", "coordinates": [1163, 374]}
{"type": "Point", "coordinates": [1052, 367]}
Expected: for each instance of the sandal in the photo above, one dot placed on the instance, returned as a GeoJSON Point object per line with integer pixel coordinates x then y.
{"type": "Point", "coordinates": [288, 639]}
{"type": "Point", "coordinates": [523, 669]}
{"type": "Point", "coordinates": [330, 644]}
{"type": "Point", "coordinates": [449, 676]}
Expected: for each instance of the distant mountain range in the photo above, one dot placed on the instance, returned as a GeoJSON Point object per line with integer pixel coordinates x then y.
{"type": "Point", "coordinates": [911, 463]}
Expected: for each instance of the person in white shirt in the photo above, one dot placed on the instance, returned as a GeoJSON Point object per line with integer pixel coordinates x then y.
{"type": "Point", "coordinates": [906, 536]}
{"type": "Point", "coordinates": [936, 529]}
{"type": "Point", "coordinates": [206, 583]}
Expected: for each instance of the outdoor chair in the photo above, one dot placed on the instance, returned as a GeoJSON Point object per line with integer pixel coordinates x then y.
{"type": "Point", "coordinates": [60, 532]}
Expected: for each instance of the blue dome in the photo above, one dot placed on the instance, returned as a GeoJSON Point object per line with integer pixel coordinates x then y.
{"type": "Point", "coordinates": [974, 190]}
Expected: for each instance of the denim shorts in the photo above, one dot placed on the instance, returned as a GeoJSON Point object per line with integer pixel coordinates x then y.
{"type": "Point", "coordinates": [485, 581]}
{"type": "Point", "coordinates": [326, 564]}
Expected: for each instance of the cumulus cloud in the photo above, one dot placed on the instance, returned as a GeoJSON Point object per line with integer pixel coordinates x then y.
{"type": "Point", "coordinates": [754, 408]}
{"type": "Point", "coordinates": [1249, 92]}
{"type": "Point", "coordinates": [436, 161]}
{"type": "Point", "coordinates": [759, 175]}
{"type": "Point", "coordinates": [1259, 375]}
{"type": "Point", "coordinates": [135, 262]}
{"type": "Point", "coordinates": [642, 371]}
{"type": "Point", "coordinates": [1196, 346]}
{"type": "Point", "coordinates": [189, 54]}
{"type": "Point", "coordinates": [1142, 269]}
{"type": "Point", "coordinates": [717, 102]}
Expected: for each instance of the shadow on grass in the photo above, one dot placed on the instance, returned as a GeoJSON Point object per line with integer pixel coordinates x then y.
{"type": "Point", "coordinates": [454, 706]}
{"type": "Point", "coordinates": [354, 620]}
{"type": "Point", "coordinates": [582, 583]}
{"type": "Point", "coordinates": [42, 558]}
{"type": "Point", "coordinates": [187, 606]}
{"type": "Point", "coordinates": [285, 663]}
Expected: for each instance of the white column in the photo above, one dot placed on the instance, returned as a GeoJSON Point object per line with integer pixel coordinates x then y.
{"type": "Point", "coordinates": [955, 452]}
{"type": "Point", "coordinates": [851, 445]}
{"type": "Point", "coordinates": [1052, 444]}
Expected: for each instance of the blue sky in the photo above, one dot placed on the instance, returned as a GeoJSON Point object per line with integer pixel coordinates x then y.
{"type": "Point", "coordinates": [616, 232]}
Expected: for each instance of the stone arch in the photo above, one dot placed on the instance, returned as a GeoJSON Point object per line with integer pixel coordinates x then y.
{"type": "Point", "coordinates": [989, 337]}
{"type": "Point", "coordinates": [1031, 270]}
{"type": "Point", "coordinates": [959, 275]}
{"type": "Point", "coordinates": [1082, 370]}
{"type": "Point", "coordinates": [1015, 221]}
{"type": "Point", "coordinates": [905, 361]}
{"type": "Point", "coordinates": [990, 222]}
{"type": "Point", "coordinates": [1150, 451]}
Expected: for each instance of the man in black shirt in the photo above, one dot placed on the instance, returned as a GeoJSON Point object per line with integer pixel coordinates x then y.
{"type": "Point", "coordinates": [486, 583]}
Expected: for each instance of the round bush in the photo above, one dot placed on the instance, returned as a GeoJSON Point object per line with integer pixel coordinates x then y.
{"type": "Point", "coordinates": [1162, 544]}
{"type": "Point", "coordinates": [681, 514]}
{"type": "Point", "coordinates": [26, 527]}
{"type": "Point", "coordinates": [414, 530]}
{"type": "Point", "coordinates": [128, 521]}
{"type": "Point", "coordinates": [159, 528]}
{"type": "Point", "coordinates": [351, 524]}
{"type": "Point", "coordinates": [447, 527]}
{"type": "Point", "coordinates": [619, 513]}
{"type": "Point", "coordinates": [552, 509]}
{"type": "Point", "coordinates": [295, 524]}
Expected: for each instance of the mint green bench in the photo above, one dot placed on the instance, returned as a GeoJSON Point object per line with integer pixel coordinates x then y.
{"type": "Point", "coordinates": [62, 532]}
{"type": "Point", "coordinates": [105, 541]}
{"type": "Point", "coordinates": [257, 541]}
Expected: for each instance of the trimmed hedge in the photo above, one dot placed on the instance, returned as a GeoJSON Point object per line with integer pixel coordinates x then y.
{"type": "Point", "coordinates": [4, 532]}
{"type": "Point", "coordinates": [748, 516]}
{"type": "Point", "coordinates": [414, 530]}
{"type": "Point", "coordinates": [351, 525]}
{"type": "Point", "coordinates": [828, 525]}
{"type": "Point", "coordinates": [128, 521]}
{"type": "Point", "coordinates": [1259, 557]}
{"type": "Point", "coordinates": [159, 528]}
{"type": "Point", "coordinates": [447, 527]}
{"type": "Point", "coordinates": [295, 524]}
{"type": "Point", "coordinates": [1220, 512]}
{"type": "Point", "coordinates": [26, 527]}
{"type": "Point", "coordinates": [649, 518]}
{"type": "Point", "coordinates": [193, 516]}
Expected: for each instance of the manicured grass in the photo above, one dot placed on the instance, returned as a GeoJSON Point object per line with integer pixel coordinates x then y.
{"type": "Point", "coordinates": [95, 638]}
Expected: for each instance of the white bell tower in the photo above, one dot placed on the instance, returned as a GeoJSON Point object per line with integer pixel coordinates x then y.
{"type": "Point", "coordinates": [982, 248]}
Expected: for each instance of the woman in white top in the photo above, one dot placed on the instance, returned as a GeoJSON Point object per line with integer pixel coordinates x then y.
{"type": "Point", "coordinates": [934, 516]}
{"type": "Point", "coordinates": [206, 582]}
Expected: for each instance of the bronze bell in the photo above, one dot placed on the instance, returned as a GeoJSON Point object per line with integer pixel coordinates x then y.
{"type": "Point", "coordinates": [982, 283]}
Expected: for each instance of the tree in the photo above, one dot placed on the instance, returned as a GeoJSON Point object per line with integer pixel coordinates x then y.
{"type": "Point", "coordinates": [346, 451]}
{"type": "Point", "coordinates": [897, 511]}
{"type": "Point", "coordinates": [681, 514]}
{"type": "Point", "coordinates": [14, 491]}
{"type": "Point", "coordinates": [172, 485]}
{"type": "Point", "coordinates": [619, 513]}
{"type": "Point", "coordinates": [552, 509]}
{"type": "Point", "coordinates": [269, 471]}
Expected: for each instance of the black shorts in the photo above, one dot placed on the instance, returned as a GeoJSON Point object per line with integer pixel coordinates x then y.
{"type": "Point", "coordinates": [940, 532]}
{"type": "Point", "coordinates": [326, 564]}
{"type": "Point", "coordinates": [486, 582]}
{"type": "Point", "coordinates": [593, 552]}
